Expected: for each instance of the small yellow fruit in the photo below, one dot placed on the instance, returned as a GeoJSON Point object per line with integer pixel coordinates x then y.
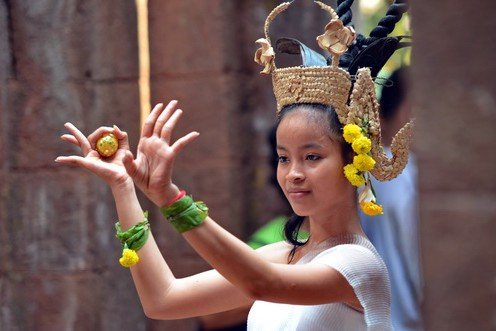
{"type": "Point", "coordinates": [107, 145]}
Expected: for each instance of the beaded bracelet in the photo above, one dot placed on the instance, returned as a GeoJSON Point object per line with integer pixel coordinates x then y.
{"type": "Point", "coordinates": [132, 240]}
{"type": "Point", "coordinates": [185, 214]}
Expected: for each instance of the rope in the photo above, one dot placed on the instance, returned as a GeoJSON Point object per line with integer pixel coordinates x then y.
{"type": "Point", "coordinates": [387, 23]}
{"type": "Point", "coordinates": [344, 11]}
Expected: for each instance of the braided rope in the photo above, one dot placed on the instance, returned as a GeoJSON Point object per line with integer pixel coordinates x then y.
{"type": "Point", "coordinates": [364, 105]}
{"type": "Point", "coordinates": [387, 169]}
{"type": "Point", "coordinates": [387, 23]}
{"type": "Point", "coordinates": [328, 9]}
{"type": "Point", "coordinates": [276, 11]}
{"type": "Point", "coordinates": [344, 11]}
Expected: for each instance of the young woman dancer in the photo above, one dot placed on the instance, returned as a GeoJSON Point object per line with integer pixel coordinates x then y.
{"type": "Point", "coordinates": [327, 148]}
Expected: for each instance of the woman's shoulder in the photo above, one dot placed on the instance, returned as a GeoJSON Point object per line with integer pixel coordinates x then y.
{"type": "Point", "coordinates": [351, 251]}
{"type": "Point", "coordinates": [366, 272]}
{"type": "Point", "coordinates": [349, 244]}
{"type": "Point", "coordinates": [358, 263]}
{"type": "Point", "coordinates": [347, 248]}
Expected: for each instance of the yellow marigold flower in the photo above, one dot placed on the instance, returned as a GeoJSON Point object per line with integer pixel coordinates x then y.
{"type": "Point", "coordinates": [129, 258]}
{"type": "Point", "coordinates": [351, 132]}
{"type": "Point", "coordinates": [362, 145]}
{"type": "Point", "coordinates": [355, 178]}
{"type": "Point", "coordinates": [363, 162]}
{"type": "Point", "coordinates": [371, 209]}
{"type": "Point", "coordinates": [350, 169]}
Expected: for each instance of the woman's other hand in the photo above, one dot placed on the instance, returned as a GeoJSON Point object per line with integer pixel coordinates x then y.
{"type": "Point", "coordinates": [152, 168]}
{"type": "Point", "coordinates": [110, 169]}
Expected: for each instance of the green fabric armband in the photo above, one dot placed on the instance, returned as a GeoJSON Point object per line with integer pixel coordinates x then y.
{"type": "Point", "coordinates": [132, 240]}
{"type": "Point", "coordinates": [185, 214]}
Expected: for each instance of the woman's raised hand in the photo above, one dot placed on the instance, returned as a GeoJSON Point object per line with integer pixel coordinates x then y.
{"type": "Point", "coordinates": [111, 169]}
{"type": "Point", "coordinates": [152, 168]}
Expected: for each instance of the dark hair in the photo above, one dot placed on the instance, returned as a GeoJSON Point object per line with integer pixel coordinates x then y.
{"type": "Point", "coordinates": [393, 95]}
{"type": "Point", "coordinates": [274, 158]}
{"type": "Point", "coordinates": [294, 223]}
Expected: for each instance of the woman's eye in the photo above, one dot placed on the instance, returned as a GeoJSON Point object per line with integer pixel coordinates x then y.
{"type": "Point", "coordinates": [282, 159]}
{"type": "Point", "coordinates": [312, 157]}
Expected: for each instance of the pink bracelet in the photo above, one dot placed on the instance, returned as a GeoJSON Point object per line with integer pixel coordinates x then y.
{"type": "Point", "coordinates": [180, 195]}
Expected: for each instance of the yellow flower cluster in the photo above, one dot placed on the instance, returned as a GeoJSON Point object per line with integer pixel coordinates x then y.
{"type": "Point", "coordinates": [353, 175]}
{"type": "Point", "coordinates": [351, 132]}
{"type": "Point", "coordinates": [363, 162]}
{"type": "Point", "coordinates": [361, 145]}
{"type": "Point", "coordinates": [129, 258]}
{"type": "Point", "coordinates": [370, 208]}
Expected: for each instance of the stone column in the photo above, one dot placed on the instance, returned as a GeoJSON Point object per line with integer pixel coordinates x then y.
{"type": "Point", "coordinates": [62, 61]}
{"type": "Point", "coordinates": [453, 73]}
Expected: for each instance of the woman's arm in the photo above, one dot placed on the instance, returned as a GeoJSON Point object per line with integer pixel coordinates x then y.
{"type": "Point", "coordinates": [161, 294]}
{"type": "Point", "coordinates": [262, 279]}
{"type": "Point", "coordinates": [243, 267]}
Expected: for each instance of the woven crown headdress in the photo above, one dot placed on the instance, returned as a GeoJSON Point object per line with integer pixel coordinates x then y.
{"type": "Point", "coordinates": [330, 81]}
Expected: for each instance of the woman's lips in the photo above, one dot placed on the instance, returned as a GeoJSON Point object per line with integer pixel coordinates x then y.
{"type": "Point", "coordinates": [298, 194]}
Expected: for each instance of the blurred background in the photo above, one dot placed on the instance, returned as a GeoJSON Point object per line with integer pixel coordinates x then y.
{"type": "Point", "coordinates": [99, 63]}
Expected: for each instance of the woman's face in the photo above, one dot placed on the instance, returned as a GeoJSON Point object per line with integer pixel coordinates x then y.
{"type": "Point", "coordinates": [310, 169]}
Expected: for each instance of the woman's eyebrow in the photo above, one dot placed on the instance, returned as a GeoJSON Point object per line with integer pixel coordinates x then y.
{"type": "Point", "coordinates": [311, 145]}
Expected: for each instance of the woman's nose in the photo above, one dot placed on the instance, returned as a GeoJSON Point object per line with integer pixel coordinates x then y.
{"type": "Point", "coordinates": [295, 175]}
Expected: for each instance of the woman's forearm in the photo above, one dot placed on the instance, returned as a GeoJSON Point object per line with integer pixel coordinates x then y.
{"type": "Point", "coordinates": [151, 275]}
{"type": "Point", "coordinates": [237, 262]}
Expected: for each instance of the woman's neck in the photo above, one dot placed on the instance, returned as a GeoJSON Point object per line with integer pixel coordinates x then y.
{"type": "Point", "coordinates": [339, 222]}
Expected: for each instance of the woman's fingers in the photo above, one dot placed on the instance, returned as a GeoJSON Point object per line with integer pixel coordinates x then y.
{"type": "Point", "coordinates": [183, 141]}
{"type": "Point", "coordinates": [73, 160]}
{"type": "Point", "coordinates": [130, 164]}
{"type": "Point", "coordinates": [91, 165]}
{"type": "Point", "coordinates": [122, 137]}
{"type": "Point", "coordinates": [168, 127]}
{"type": "Point", "coordinates": [70, 139]}
{"type": "Point", "coordinates": [92, 138]}
{"type": "Point", "coordinates": [151, 119]}
{"type": "Point", "coordinates": [80, 138]}
{"type": "Point", "coordinates": [164, 117]}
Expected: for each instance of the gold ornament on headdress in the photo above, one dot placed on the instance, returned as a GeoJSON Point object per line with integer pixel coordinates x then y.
{"type": "Point", "coordinates": [331, 85]}
{"type": "Point", "coordinates": [337, 37]}
{"type": "Point", "coordinates": [265, 56]}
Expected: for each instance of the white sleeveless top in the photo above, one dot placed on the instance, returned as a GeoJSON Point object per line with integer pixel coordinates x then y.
{"type": "Point", "coordinates": [358, 261]}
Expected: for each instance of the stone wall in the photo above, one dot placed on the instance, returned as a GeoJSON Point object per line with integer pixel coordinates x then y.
{"type": "Point", "coordinates": [455, 107]}
{"type": "Point", "coordinates": [58, 259]}
{"type": "Point", "coordinates": [77, 61]}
